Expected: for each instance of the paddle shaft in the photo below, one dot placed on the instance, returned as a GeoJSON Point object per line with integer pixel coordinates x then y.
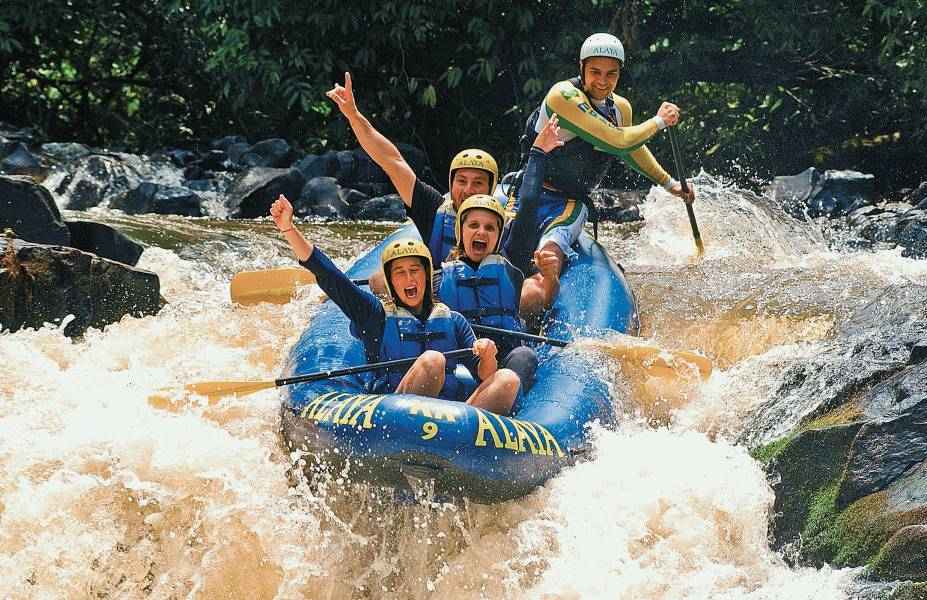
{"type": "Point", "coordinates": [685, 187]}
{"type": "Point", "coordinates": [519, 335]}
{"type": "Point", "coordinates": [401, 362]}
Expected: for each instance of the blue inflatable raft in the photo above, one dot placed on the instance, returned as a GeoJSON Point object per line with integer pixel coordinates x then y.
{"type": "Point", "coordinates": [394, 439]}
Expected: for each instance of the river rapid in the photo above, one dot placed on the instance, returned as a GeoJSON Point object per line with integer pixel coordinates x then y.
{"type": "Point", "coordinates": [106, 494]}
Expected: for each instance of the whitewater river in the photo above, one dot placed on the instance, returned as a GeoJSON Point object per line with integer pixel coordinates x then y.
{"type": "Point", "coordinates": [104, 494]}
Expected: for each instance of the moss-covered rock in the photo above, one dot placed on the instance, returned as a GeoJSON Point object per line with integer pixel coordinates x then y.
{"type": "Point", "coordinates": [904, 555]}
{"type": "Point", "coordinates": [809, 463]}
{"type": "Point", "coordinates": [851, 484]}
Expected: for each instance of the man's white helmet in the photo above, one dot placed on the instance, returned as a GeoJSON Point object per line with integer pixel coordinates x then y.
{"type": "Point", "coordinates": [602, 44]}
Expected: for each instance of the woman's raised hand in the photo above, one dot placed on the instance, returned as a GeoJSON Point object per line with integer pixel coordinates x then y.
{"type": "Point", "coordinates": [282, 212]}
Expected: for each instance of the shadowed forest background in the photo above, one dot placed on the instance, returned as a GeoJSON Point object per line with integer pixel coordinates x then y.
{"type": "Point", "coordinates": [767, 88]}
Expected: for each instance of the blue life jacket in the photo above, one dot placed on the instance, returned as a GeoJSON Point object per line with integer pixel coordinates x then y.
{"type": "Point", "coordinates": [486, 296]}
{"type": "Point", "coordinates": [405, 336]}
{"type": "Point", "coordinates": [442, 234]}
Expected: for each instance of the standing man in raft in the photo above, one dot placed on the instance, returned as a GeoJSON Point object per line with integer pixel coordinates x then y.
{"type": "Point", "coordinates": [597, 127]}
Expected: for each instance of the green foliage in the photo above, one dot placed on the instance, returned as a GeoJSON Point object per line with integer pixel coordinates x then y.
{"type": "Point", "coordinates": [763, 92]}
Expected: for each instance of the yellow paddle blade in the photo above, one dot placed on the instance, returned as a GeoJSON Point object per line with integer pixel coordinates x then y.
{"type": "Point", "coordinates": [213, 390]}
{"type": "Point", "coordinates": [273, 285]}
{"type": "Point", "coordinates": [661, 362]}
{"type": "Point", "coordinates": [699, 248]}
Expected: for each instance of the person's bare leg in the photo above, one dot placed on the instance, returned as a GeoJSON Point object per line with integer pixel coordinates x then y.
{"type": "Point", "coordinates": [538, 292]}
{"type": "Point", "coordinates": [497, 394]}
{"type": "Point", "coordinates": [551, 284]}
{"type": "Point", "coordinates": [531, 306]}
{"type": "Point", "coordinates": [426, 377]}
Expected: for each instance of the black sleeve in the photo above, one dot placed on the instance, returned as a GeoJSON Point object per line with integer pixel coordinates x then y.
{"type": "Point", "coordinates": [363, 308]}
{"type": "Point", "coordinates": [425, 203]}
{"type": "Point", "coordinates": [524, 237]}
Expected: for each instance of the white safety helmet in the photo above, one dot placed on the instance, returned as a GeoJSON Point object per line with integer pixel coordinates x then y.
{"type": "Point", "coordinates": [602, 44]}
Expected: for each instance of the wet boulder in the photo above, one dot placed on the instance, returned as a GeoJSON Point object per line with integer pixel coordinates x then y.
{"type": "Point", "coordinates": [384, 208]}
{"type": "Point", "coordinates": [67, 151]}
{"type": "Point", "coordinates": [40, 284]}
{"type": "Point", "coordinates": [893, 441]}
{"type": "Point", "coordinates": [791, 192]}
{"type": "Point", "coordinates": [918, 196]}
{"type": "Point", "coordinates": [374, 190]}
{"type": "Point", "coordinates": [415, 157]}
{"type": "Point", "coordinates": [851, 479]}
{"type": "Point", "coordinates": [912, 233]}
{"type": "Point", "coordinates": [224, 143]}
{"type": "Point", "coordinates": [904, 555]}
{"type": "Point", "coordinates": [323, 197]}
{"type": "Point", "coordinates": [840, 192]}
{"type": "Point", "coordinates": [620, 215]}
{"type": "Point", "coordinates": [30, 211]}
{"type": "Point", "coordinates": [620, 206]}
{"type": "Point", "coordinates": [98, 178]}
{"type": "Point", "coordinates": [18, 159]}
{"type": "Point", "coordinates": [252, 193]}
{"type": "Point", "coordinates": [831, 194]}
{"type": "Point", "coordinates": [159, 199]}
{"type": "Point", "coordinates": [345, 172]}
{"type": "Point", "coordinates": [104, 241]}
{"type": "Point", "coordinates": [312, 166]}
{"type": "Point", "coordinates": [275, 153]}
{"type": "Point", "coordinates": [181, 158]}
{"type": "Point", "coordinates": [12, 133]}
{"type": "Point", "coordinates": [211, 160]}
{"type": "Point", "coordinates": [367, 171]}
{"type": "Point", "coordinates": [878, 222]}
{"type": "Point", "coordinates": [354, 197]}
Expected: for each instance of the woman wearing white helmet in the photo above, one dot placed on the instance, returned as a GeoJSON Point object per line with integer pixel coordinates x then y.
{"type": "Point", "coordinates": [412, 324]}
{"type": "Point", "coordinates": [597, 126]}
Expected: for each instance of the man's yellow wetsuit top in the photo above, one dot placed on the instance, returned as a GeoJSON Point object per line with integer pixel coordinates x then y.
{"type": "Point", "coordinates": [594, 132]}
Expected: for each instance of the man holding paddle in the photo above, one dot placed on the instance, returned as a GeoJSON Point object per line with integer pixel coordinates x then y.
{"type": "Point", "coordinates": [597, 127]}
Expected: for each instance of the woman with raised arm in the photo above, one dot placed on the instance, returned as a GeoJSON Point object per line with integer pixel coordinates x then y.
{"type": "Point", "coordinates": [410, 325]}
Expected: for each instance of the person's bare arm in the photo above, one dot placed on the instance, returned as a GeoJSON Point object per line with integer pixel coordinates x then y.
{"type": "Point", "coordinates": [381, 150]}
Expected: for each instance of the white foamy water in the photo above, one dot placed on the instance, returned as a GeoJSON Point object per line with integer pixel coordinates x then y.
{"type": "Point", "coordinates": [106, 494]}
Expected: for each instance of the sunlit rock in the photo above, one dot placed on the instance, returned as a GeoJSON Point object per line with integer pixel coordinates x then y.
{"type": "Point", "coordinates": [323, 197]}
{"type": "Point", "coordinates": [831, 194]}
{"type": "Point", "coordinates": [96, 179]}
{"type": "Point", "coordinates": [256, 189]}
{"type": "Point", "coordinates": [30, 211]}
{"type": "Point", "coordinates": [65, 150]}
{"type": "Point", "coordinates": [45, 284]}
{"type": "Point", "coordinates": [104, 241]}
{"type": "Point", "coordinates": [159, 199]}
{"type": "Point", "coordinates": [384, 208]}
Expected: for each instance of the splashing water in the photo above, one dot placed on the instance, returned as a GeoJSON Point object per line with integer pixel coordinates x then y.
{"type": "Point", "coordinates": [103, 494]}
